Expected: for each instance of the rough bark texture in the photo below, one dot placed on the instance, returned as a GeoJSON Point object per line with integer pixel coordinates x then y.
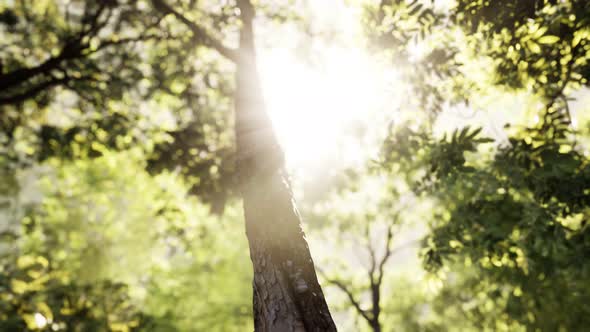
{"type": "Point", "coordinates": [287, 295]}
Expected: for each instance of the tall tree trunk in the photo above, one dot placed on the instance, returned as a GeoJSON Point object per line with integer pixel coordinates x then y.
{"type": "Point", "coordinates": [287, 295]}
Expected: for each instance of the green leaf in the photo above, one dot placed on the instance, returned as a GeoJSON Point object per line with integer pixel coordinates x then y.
{"type": "Point", "coordinates": [548, 39]}
{"type": "Point", "coordinates": [533, 47]}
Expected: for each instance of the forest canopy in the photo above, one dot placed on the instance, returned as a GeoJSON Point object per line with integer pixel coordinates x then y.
{"type": "Point", "coordinates": [160, 161]}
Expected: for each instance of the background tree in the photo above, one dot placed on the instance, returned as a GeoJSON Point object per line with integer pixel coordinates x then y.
{"type": "Point", "coordinates": [367, 230]}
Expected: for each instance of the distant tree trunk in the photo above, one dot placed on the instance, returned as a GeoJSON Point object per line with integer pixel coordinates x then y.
{"type": "Point", "coordinates": [287, 295]}
{"type": "Point", "coordinates": [376, 310]}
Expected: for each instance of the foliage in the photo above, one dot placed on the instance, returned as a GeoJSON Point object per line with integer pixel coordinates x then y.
{"type": "Point", "coordinates": [537, 43]}
{"type": "Point", "coordinates": [400, 30]}
{"type": "Point", "coordinates": [519, 218]}
{"type": "Point", "coordinates": [70, 258]}
{"type": "Point", "coordinates": [508, 236]}
{"type": "Point", "coordinates": [127, 75]}
{"type": "Point", "coordinates": [35, 297]}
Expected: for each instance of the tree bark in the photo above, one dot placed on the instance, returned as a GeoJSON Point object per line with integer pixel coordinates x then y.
{"type": "Point", "coordinates": [376, 310]}
{"type": "Point", "coordinates": [287, 295]}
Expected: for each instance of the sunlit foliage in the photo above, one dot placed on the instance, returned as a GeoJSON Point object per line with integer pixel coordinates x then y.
{"type": "Point", "coordinates": [109, 247]}
{"type": "Point", "coordinates": [509, 235]}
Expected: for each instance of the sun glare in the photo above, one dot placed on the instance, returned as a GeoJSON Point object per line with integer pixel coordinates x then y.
{"type": "Point", "coordinates": [322, 94]}
{"type": "Point", "coordinates": [319, 112]}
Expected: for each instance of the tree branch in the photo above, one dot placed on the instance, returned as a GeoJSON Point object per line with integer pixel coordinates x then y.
{"type": "Point", "coordinates": [122, 41]}
{"type": "Point", "coordinates": [373, 266]}
{"type": "Point", "coordinates": [386, 256]}
{"type": "Point", "coordinates": [20, 75]}
{"type": "Point", "coordinates": [72, 49]}
{"type": "Point", "coordinates": [32, 92]}
{"type": "Point", "coordinates": [340, 285]}
{"type": "Point", "coordinates": [200, 34]}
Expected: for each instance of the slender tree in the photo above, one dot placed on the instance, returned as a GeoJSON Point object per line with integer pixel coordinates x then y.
{"type": "Point", "coordinates": [287, 294]}
{"type": "Point", "coordinates": [377, 227]}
